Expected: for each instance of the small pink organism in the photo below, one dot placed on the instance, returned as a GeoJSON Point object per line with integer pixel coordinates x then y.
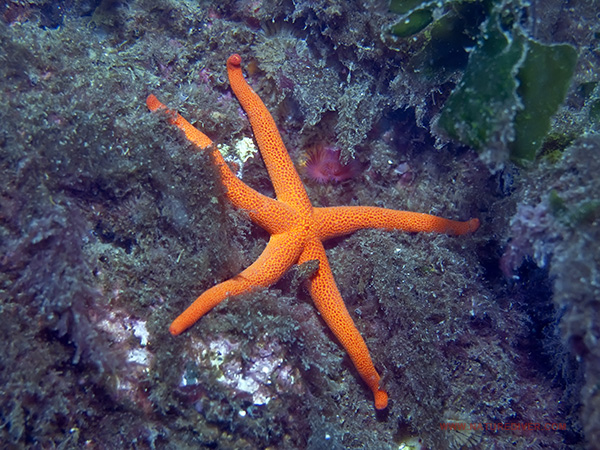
{"type": "Point", "coordinates": [324, 166]}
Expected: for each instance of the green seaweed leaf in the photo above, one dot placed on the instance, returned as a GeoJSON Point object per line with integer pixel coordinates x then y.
{"type": "Point", "coordinates": [544, 78]}
{"type": "Point", "coordinates": [444, 31]}
{"type": "Point", "coordinates": [511, 88]}
{"type": "Point", "coordinates": [415, 22]}
{"type": "Point", "coordinates": [485, 98]}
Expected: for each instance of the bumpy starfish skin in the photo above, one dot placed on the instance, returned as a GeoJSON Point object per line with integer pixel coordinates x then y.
{"type": "Point", "coordinates": [297, 228]}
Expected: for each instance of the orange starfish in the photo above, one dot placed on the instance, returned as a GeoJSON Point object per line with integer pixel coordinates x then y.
{"type": "Point", "coordinates": [297, 228]}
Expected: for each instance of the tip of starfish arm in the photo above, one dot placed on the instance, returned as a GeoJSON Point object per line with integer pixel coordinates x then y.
{"type": "Point", "coordinates": [473, 225]}
{"type": "Point", "coordinates": [381, 399]}
{"type": "Point", "coordinates": [234, 60]}
{"type": "Point", "coordinates": [176, 328]}
{"type": "Point", "coordinates": [153, 103]}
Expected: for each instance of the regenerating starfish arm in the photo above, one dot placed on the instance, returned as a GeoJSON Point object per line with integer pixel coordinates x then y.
{"type": "Point", "coordinates": [286, 182]}
{"type": "Point", "coordinates": [260, 208]}
{"type": "Point", "coordinates": [341, 220]}
{"type": "Point", "coordinates": [273, 262]}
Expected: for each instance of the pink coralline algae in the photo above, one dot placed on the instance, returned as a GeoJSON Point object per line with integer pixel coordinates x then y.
{"type": "Point", "coordinates": [129, 340]}
{"type": "Point", "coordinates": [532, 236]}
{"type": "Point", "coordinates": [259, 373]}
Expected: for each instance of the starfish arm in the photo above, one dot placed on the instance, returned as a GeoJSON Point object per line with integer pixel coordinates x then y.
{"type": "Point", "coordinates": [279, 255]}
{"type": "Point", "coordinates": [341, 220]}
{"type": "Point", "coordinates": [286, 182]}
{"type": "Point", "coordinates": [266, 212]}
{"type": "Point", "coordinates": [329, 302]}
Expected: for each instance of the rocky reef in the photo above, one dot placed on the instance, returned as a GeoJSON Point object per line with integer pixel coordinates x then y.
{"type": "Point", "coordinates": [111, 224]}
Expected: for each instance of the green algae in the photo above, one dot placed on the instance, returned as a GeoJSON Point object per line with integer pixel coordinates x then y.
{"type": "Point", "coordinates": [585, 212]}
{"type": "Point", "coordinates": [443, 35]}
{"type": "Point", "coordinates": [511, 88]}
{"type": "Point", "coordinates": [543, 81]}
{"type": "Point", "coordinates": [413, 23]}
{"type": "Point", "coordinates": [558, 206]}
{"type": "Point", "coordinates": [512, 85]}
{"type": "Point", "coordinates": [554, 146]}
{"type": "Point", "coordinates": [477, 109]}
{"type": "Point", "coordinates": [451, 35]}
